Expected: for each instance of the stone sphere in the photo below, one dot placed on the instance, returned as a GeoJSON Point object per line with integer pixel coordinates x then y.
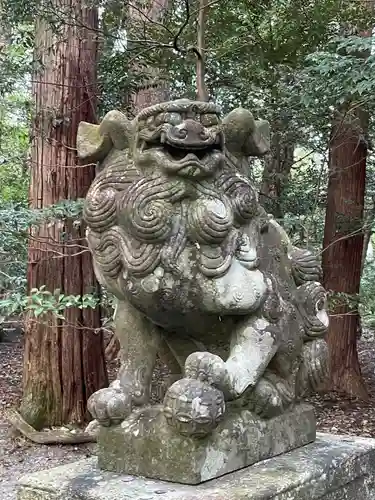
{"type": "Point", "coordinates": [193, 408]}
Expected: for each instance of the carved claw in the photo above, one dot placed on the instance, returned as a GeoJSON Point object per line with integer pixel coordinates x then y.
{"type": "Point", "coordinates": [206, 367]}
{"type": "Point", "coordinates": [265, 400]}
{"type": "Point", "coordinates": [271, 396]}
{"type": "Point", "coordinates": [109, 406]}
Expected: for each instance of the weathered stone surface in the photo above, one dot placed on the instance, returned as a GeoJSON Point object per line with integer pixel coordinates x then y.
{"type": "Point", "coordinates": [331, 468]}
{"type": "Point", "coordinates": [144, 446]}
{"type": "Point", "coordinates": [178, 236]}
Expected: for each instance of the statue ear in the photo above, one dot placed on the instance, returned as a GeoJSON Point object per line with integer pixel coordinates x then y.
{"type": "Point", "coordinates": [245, 136]}
{"type": "Point", "coordinates": [94, 142]}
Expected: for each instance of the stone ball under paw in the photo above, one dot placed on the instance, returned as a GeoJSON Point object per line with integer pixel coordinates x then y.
{"type": "Point", "coordinates": [193, 408]}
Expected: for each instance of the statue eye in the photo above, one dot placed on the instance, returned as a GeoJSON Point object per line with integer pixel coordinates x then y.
{"type": "Point", "coordinates": [173, 118]}
{"type": "Point", "coordinates": [209, 120]}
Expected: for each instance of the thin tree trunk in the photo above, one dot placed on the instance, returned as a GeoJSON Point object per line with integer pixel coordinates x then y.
{"type": "Point", "coordinates": [153, 90]}
{"type": "Point", "coordinates": [343, 248]}
{"type": "Point", "coordinates": [64, 360]}
{"type": "Point", "coordinates": [202, 94]}
{"type": "Point", "coordinates": [278, 164]}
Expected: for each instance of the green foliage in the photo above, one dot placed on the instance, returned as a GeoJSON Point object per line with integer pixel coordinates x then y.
{"type": "Point", "coordinates": [367, 295]}
{"type": "Point", "coordinates": [62, 211]}
{"type": "Point", "coordinates": [41, 302]}
{"type": "Point", "coordinates": [14, 141]}
{"type": "Point", "coordinates": [15, 222]}
{"type": "Point", "coordinates": [13, 247]}
{"type": "Point", "coordinates": [15, 57]}
{"type": "Point", "coordinates": [339, 76]}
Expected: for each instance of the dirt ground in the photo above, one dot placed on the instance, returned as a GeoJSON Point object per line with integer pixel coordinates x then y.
{"type": "Point", "coordinates": [18, 456]}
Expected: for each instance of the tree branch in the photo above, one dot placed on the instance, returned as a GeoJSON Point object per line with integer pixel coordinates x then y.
{"type": "Point", "coordinates": [202, 93]}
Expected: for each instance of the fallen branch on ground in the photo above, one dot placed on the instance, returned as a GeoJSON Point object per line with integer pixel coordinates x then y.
{"type": "Point", "coordinates": [51, 436]}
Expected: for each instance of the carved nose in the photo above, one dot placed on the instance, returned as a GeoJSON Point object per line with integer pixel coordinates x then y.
{"type": "Point", "coordinates": [189, 134]}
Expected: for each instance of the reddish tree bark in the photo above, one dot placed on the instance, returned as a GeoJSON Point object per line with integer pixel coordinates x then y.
{"type": "Point", "coordinates": [343, 247]}
{"type": "Point", "coordinates": [64, 360]}
{"type": "Point", "coordinates": [344, 240]}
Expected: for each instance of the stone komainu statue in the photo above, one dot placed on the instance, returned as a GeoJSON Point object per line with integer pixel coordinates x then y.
{"type": "Point", "coordinates": [204, 277]}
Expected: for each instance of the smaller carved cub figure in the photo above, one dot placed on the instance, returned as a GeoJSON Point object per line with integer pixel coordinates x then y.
{"type": "Point", "coordinates": [202, 274]}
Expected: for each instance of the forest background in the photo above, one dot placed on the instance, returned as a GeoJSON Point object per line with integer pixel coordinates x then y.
{"type": "Point", "coordinates": [307, 66]}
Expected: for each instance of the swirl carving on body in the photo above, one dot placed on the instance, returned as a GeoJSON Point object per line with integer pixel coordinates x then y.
{"type": "Point", "coordinates": [100, 208]}
{"type": "Point", "coordinates": [147, 206]}
{"type": "Point", "coordinates": [241, 193]}
{"type": "Point", "coordinates": [209, 220]}
{"type": "Point", "coordinates": [107, 254]}
{"type": "Point", "coordinates": [312, 300]}
{"type": "Point", "coordinates": [215, 260]}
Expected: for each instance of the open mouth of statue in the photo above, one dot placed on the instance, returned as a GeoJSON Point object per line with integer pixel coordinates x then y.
{"type": "Point", "coordinates": [182, 155]}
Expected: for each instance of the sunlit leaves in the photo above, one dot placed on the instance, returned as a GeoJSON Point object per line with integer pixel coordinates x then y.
{"type": "Point", "coordinates": [41, 301]}
{"type": "Point", "coordinates": [343, 73]}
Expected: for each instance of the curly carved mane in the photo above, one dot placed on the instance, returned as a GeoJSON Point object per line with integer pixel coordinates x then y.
{"type": "Point", "coordinates": [141, 221]}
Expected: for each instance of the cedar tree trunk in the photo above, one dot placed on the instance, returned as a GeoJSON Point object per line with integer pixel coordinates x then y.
{"type": "Point", "coordinates": [64, 359]}
{"type": "Point", "coordinates": [343, 248]}
{"type": "Point", "coordinates": [343, 244]}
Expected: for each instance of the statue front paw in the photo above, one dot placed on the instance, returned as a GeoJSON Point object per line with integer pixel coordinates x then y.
{"type": "Point", "coordinates": [109, 406]}
{"type": "Point", "coordinates": [206, 367]}
{"type": "Point", "coordinates": [265, 400]}
{"type": "Point", "coordinates": [270, 397]}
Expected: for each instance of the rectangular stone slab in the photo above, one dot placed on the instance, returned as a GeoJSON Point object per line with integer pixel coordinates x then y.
{"type": "Point", "coordinates": [331, 468]}
{"type": "Point", "coordinates": [145, 445]}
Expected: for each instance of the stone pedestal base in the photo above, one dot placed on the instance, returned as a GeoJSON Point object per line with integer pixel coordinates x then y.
{"type": "Point", "coordinates": [145, 445]}
{"type": "Point", "coordinates": [331, 468]}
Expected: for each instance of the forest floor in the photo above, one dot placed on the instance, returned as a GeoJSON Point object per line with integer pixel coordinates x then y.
{"type": "Point", "coordinates": [18, 456]}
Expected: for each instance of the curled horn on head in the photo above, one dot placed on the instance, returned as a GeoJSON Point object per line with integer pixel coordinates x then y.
{"type": "Point", "coordinates": [244, 135]}
{"type": "Point", "coordinates": [94, 142]}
